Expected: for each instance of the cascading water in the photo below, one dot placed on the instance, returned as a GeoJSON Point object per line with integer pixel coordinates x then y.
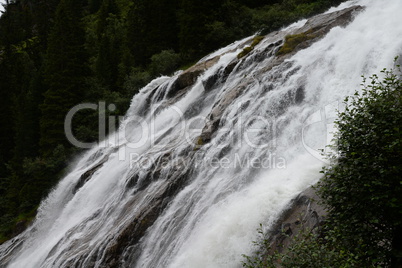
{"type": "Point", "coordinates": [196, 166]}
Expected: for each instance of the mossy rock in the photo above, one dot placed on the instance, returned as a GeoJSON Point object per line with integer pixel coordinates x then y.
{"type": "Point", "coordinates": [199, 143]}
{"type": "Point", "coordinates": [257, 39]}
{"type": "Point", "coordinates": [292, 41]}
{"type": "Point", "coordinates": [245, 51]}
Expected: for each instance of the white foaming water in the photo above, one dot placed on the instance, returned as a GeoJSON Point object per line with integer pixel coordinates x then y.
{"type": "Point", "coordinates": [203, 206]}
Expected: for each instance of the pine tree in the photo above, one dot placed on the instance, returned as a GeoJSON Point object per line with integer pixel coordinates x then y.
{"type": "Point", "coordinates": [65, 73]}
{"type": "Point", "coordinates": [194, 17]}
{"type": "Point", "coordinates": [152, 27]}
{"type": "Point", "coordinates": [110, 41]}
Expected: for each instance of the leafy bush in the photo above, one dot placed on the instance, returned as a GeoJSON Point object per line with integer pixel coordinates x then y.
{"type": "Point", "coordinates": [362, 186]}
{"type": "Point", "coordinates": [166, 62]}
{"type": "Point", "coordinates": [137, 79]}
{"type": "Point", "coordinates": [307, 249]}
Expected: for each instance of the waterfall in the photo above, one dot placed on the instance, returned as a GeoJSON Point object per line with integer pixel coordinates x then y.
{"type": "Point", "coordinates": [203, 157]}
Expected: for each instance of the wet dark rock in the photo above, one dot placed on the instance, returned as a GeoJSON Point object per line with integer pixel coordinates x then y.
{"type": "Point", "coordinates": [130, 235]}
{"type": "Point", "coordinates": [20, 227]}
{"type": "Point", "coordinates": [17, 243]}
{"type": "Point", "coordinates": [292, 72]}
{"type": "Point", "coordinates": [88, 175]}
{"type": "Point", "coordinates": [132, 181]}
{"type": "Point", "coordinates": [267, 87]}
{"type": "Point", "coordinates": [217, 111]}
{"type": "Point", "coordinates": [303, 213]}
{"type": "Point", "coordinates": [189, 76]}
{"type": "Point", "coordinates": [299, 95]}
{"type": "Point", "coordinates": [319, 25]}
{"type": "Point", "coordinates": [230, 67]}
{"type": "Point", "coordinates": [219, 77]}
{"type": "Point", "coordinates": [210, 81]}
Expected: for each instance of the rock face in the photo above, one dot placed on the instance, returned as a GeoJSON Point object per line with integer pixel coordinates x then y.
{"type": "Point", "coordinates": [323, 23]}
{"type": "Point", "coordinates": [134, 230]}
{"type": "Point", "coordinates": [316, 27]}
{"type": "Point", "coordinates": [303, 213]}
{"type": "Point", "coordinates": [87, 175]}
{"type": "Point", "coordinates": [189, 76]}
{"type": "Point", "coordinates": [303, 210]}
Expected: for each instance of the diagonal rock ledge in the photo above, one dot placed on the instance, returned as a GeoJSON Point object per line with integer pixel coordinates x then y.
{"type": "Point", "coordinates": [317, 27]}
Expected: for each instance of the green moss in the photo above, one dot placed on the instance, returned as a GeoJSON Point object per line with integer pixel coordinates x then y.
{"type": "Point", "coordinates": [257, 39]}
{"type": "Point", "coordinates": [245, 51]}
{"type": "Point", "coordinates": [199, 143]}
{"type": "Point", "coordinates": [292, 41]}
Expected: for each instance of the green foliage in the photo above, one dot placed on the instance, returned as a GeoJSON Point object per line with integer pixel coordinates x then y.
{"type": "Point", "coordinates": [26, 187]}
{"type": "Point", "coordinates": [152, 28]}
{"type": "Point", "coordinates": [362, 185]}
{"type": "Point", "coordinates": [3, 238]}
{"type": "Point", "coordinates": [261, 258]}
{"type": "Point", "coordinates": [256, 40]}
{"type": "Point", "coordinates": [137, 79]}
{"type": "Point", "coordinates": [65, 73]}
{"type": "Point", "coordinates": [306, 249]}
{"type": "Point", "coordinates": [165, 62]}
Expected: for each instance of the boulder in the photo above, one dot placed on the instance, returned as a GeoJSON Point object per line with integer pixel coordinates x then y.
{"type": "Point", "coordinates": [189, 76]}
{"type": "Point", "coordinates": [303, 213]}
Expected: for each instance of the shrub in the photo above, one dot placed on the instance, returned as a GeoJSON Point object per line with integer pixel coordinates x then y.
{"type": "Point", "coordinates": [306, 249]}
{"type": "Point", "coordinates": [136, 80]}
{"type": "Point", "coordinates": [166, 62]}
{"type": "Point", "coordinates": [362, 186]}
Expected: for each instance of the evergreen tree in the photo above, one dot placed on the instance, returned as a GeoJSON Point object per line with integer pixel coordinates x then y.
{"type": "Point", "coordinates": [15, 50]}
{"type": "Point", "coordinates": [94, 5]}
{"type": "Point", "coordinates": [65, 73]}
{"type": "Point", "coordinates": [110, 40]}
{"type": "Point", "coordinates": [194, 18]}
{"type": "Point", "coordinates": [152, 27]}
